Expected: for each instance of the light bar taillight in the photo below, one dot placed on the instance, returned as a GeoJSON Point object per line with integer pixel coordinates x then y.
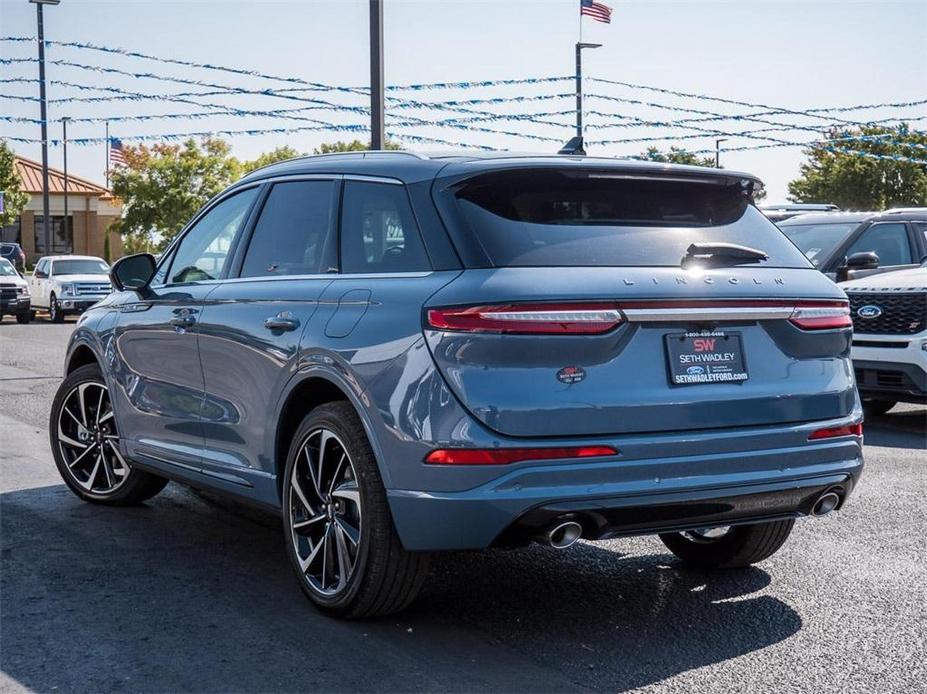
{"type": "Point", "coordinates": [835, 432]}
{"type": "Point", "coordinates": [506, 456]}
{"type": "Point", "coordinates": [822, 315]}
{"type": "Point", "coordinates": [529, 319]}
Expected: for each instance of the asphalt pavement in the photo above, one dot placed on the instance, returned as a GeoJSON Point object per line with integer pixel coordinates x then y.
{"type": "Point", "coordinates": [192, 593]}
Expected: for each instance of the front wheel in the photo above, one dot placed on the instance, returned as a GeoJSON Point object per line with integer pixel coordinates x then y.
{"type": "Point", "coordinates": [54, 310]}
{"type": "Point", "coordinates": [85, 444]}
{"type": "Point", "coordinates": [728, 547]}
{"type": "Point", "coordinates": [338, 529]}
{"type": "Point", "coordinates": [23, 318]}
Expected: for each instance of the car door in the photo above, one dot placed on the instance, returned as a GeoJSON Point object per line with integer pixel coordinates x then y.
{"type": "Point", "coordinates": [159, 394]}
{"type": "Point", "coordinates": [252, 323]}
{"type": "Point", "coordinates": [38, 282]}
{"type": "Point", "coordinates": [891, 241]}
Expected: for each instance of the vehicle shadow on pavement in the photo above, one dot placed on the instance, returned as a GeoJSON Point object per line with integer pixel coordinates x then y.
{"type": "Point", "coordinates": [183, 594]}
{"type": "Point", "coordinates": [904, 429]}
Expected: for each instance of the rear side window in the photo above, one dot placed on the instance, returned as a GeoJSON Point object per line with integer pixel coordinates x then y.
{"type": "Point", "coordinates": [593, 218]}
{"type": "Point", "coordinates": [291, 234]}
{"type": "Point", "coordinates": [888, 241]}
{"type": "Point", "coordinates": [378, 230]}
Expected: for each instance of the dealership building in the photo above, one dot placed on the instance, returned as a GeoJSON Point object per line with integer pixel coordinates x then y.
{"type": "Point", "coordinates": [92, 209]}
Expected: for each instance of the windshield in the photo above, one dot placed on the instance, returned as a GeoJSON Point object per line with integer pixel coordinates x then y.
{"type": "Point", "coordinates": [7, 270]}
{"type": "Point", "coordinates": [586, 218]}
{"type": "Point", "coordinates": [817, 241]}
{"type": "Point", "coordinates": [79, 267]}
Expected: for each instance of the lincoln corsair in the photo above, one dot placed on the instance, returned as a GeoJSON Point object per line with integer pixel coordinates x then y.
{"type": "Point", "coordinates": [403, 354]}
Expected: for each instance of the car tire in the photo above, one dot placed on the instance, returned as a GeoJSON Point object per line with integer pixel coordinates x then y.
{"type": "Point", "coordinates": [739, 546]}
{"type": "Point", "coordinates": [54, 310]}
{"type": "Point", "coordinates": [876, 408]}
{"type": "Point", "coordinates": [85, 444]}
{"type": "Point", "coordinates": [329, 505]}
{"type": "Point", "coordinates": [23, 318]}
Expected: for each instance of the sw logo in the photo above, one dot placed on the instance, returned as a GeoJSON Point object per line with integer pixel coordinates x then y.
{"type": "Point", "coordinates": [704, 344]}
{"type": "Point", "coordinates": [869, 311]}
{"type": "Point", "coordinates": [695, 370]}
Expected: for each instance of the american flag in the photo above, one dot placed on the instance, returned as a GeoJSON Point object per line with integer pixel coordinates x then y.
{"type": "Point", "coordinates": [596, 10]}
{"type": "Point", "coordinates": [116, 155]}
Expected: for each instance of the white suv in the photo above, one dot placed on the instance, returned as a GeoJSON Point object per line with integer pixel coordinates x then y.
{"type": "Point", "coordinates": [63, 284]}
{"type": "Point", "coordinates": [890, 337]}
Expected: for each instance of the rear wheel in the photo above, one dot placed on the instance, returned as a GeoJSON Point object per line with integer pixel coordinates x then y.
{"type": "Point", "coordinates": [729, 546]}
{"type": "Point", "coordinates": [54, 310]}
{"type": "Point", "coordinates": [876, 408]}
{"type": "Point", "coordinates": [338, 529]}
{"type": "Point", "coordinates": [85, 444]}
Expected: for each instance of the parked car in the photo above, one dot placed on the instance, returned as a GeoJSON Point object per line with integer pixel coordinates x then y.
{"type": "Point", "coordinates": [405, 354]}
{"type": "Point", "coordinates": [68, 284]}
{"type": "Point", "coordinates": [14, 253]}
{"type": "Point", "coordinates": [890, 338]}
{"type": "Point", "coordinates": [778, 213]}
{"type": "Point", "coordinates": [14, 293]}
{"type": "Point", "coordinates": [851, 245]}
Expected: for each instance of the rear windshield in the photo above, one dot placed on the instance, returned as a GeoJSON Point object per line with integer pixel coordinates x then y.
{"type": "Point", "coordinates": [588, 218]}
{"type": "Point", "coordinates": [817, 241]}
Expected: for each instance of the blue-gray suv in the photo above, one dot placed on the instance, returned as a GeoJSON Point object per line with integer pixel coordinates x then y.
{"type": "Point", "coordinates": [403, 354]}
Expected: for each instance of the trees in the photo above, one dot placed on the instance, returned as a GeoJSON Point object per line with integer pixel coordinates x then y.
{"type": "Point", "coordinates": [14, 199]}
{"type": "Point", "coordinates": [279, 154]}
{"type": "Point", "coordinates": [354, 146]}
{"type": "Point", "coordinates": [835, 172]}
{"type": "Point", "coordinates": [675, 155]}
{"type": "Point", "coordinates": [163, 186]}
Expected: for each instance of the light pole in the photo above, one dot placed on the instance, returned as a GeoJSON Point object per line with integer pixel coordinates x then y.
{"type": "Point", "coordinates": [718, 151]}
{"type": "Point", "coordinates": [579, 84]}
{"type": "Point", "coordinates": [64, 142]}
{"type": "Point", "coordinates": [377, 136]}
{"type": "Point", "coordinates": [46, 231]}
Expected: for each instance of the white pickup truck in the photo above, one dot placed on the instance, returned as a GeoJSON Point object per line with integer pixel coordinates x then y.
{"type": "Point", "coordinates": [63, 284]}
{"type": "Point", "coordinates": [889, 314]}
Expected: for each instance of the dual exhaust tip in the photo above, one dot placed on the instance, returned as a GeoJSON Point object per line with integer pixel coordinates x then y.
{"type": "Point", "coordinates": [826, 503]}
{"type": "Point", "coordinates": [561, 534]}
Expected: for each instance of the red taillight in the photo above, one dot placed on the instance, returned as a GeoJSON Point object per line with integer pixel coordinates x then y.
{"type": "Point", "coordinates": [505, 456]}
{"type": "Point", "coordinates": [824, 315]}
{"type": "Point", "coordinates": [834, 432]}
{"type": "Point", "coordinates": [529, 319]}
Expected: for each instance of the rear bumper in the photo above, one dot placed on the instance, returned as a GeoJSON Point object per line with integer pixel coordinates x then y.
{"type": "Point", "coordinates": [737, 483]}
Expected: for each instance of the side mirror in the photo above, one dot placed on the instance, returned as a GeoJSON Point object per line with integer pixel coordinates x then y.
{"type": "Point", "coordinates": [40, 274]}
{"type": "Point", "coordinates": [133, 271]}
{"type": "Point", "coordinates": [865, 260]}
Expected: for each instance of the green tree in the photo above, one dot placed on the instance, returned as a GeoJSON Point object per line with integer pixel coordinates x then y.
{"type": "Point", "coordinates": [675, 155]}
{"type": "Point", "coordinates": [354, 146]}
{"type": "Point", "coordinates": [14, 199]}
{"type": "Point", "coordinates": [163, 186]}
{"type": "Point", "coordinates": [279, 154]}
{"type": "Point", "coordinates": [835, 172]}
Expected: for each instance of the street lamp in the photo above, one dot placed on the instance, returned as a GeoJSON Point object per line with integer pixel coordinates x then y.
{"type": "Point", "coordinates": [579, 84]}
{"type": "Point", "coordinates": [44, 115]}
{"type": "Point", "coordinates": [718, 151]}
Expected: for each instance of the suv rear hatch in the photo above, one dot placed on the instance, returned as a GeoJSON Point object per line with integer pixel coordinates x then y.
{"type": "Point", "coordinates": [585, 310]}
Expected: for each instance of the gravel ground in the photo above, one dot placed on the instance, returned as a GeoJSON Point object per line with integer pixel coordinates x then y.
{"type": "Point", "coordinates": [193, 593]}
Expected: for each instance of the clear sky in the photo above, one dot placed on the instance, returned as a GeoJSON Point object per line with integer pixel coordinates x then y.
{"type": "Point", "coordinates": [795, 55]}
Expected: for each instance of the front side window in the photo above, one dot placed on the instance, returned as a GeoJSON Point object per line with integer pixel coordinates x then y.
{"type": "Point", "coordinates": [378, 230]}
{"type": "Point", "coordinates": [817, 241]}
{"type": "Point", "coordinates": [291, 234]}
{"type": "Point", "coordinates": [888, 241]}
{"type": "Point", "coordinates": [558, 217]}
{"type": "Point", "coordinates": [79, 267]}
{"type": "Point", "coordinates": [203, 251]}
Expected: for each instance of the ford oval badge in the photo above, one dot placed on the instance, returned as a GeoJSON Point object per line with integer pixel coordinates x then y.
{"type": "Point", "coordinates": [869, 311]}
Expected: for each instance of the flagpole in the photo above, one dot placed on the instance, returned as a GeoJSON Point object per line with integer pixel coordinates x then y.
{"type": "Point", "coordinates": [107, 155]}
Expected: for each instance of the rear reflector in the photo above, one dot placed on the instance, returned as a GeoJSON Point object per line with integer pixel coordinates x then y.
{"type": "Point", "coordinates": [529, 319]}
{"type": "Point", "coordinates": [504, 456]}
{"type": "Point", "coordinates": [822, 316]}
{"type": "Point", "coordinates": [834, 432]}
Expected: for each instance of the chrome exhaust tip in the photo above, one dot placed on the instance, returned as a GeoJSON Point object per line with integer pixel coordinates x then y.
{"type": "Point", "coordinates": [825, 504]}
{"type": "Point", "coordinates": [565, 534]}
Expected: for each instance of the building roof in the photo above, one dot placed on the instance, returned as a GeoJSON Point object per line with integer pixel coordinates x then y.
{"type": "Point", "coordinates": [30, 173]}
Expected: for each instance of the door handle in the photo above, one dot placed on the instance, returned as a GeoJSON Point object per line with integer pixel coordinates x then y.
{"type": "Point", "coordinates": [183, 321]}
{"type": "Point", "coordinates": [282, 321]}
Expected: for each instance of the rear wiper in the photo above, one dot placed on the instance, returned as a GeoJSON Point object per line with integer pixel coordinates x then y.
{"type": "Point", "coordinates": [708, 254]}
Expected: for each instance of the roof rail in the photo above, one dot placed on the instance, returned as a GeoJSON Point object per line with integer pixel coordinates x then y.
{"type": "Point", "coordinates": [358, 153]}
